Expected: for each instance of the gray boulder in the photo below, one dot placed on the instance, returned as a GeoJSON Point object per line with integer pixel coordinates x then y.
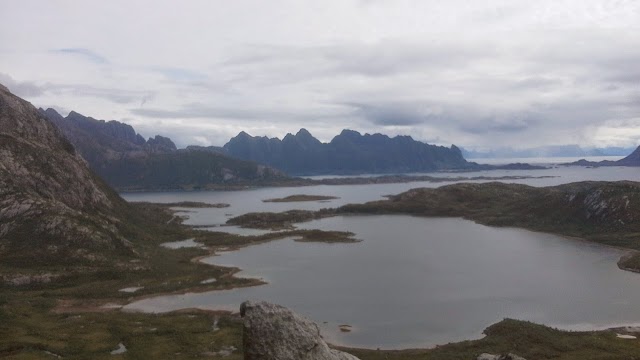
{"type": "Point", "coordinates": [273, 332]}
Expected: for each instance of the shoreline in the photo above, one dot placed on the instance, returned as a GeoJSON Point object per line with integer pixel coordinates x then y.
{"type": "Point", "coordinates": [338, 181]}
{"type": "Point", "coordinates": [614, 327]}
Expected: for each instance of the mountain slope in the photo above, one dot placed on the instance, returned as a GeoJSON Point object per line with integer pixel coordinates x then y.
{"type": "Point", "coordinates": [632, 159]}
{"type": "Point", "coordinates": [126, 161]}
{"type": "Point", "coordinates": [348, 153]}
{"type": "Point", "coordinates": [52, 208]}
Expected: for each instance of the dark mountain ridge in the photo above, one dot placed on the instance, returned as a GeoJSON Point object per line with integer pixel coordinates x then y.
{"type": "Point", "coordinates": [348, 153]}
{"type": "Point", "coordinates": [128, 162]}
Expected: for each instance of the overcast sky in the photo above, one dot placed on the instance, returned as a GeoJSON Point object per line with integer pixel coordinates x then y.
{"type": "Point", "coordinates": [479, 74]}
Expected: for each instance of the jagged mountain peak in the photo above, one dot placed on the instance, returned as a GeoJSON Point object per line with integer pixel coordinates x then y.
{"type": "Point", "coordinates": [303, 133]}
{"type": "Point", "coordinates": [347, 153]}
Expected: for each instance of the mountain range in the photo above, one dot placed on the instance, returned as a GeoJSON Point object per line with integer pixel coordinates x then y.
{"type": "Point", "coordinates": [546, 151]}
{"type": "Point", "coordinates": [347, 153]}
{"type": "Point", "coordinates": [352, 153]}
{"type": "Point", "coordinates": [126, 161]}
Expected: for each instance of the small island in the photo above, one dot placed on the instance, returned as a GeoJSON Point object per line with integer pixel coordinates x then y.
{"type": "Point", "coordinates": [196, 204]}
{"type": "Point", "coordinates": [300, 197]}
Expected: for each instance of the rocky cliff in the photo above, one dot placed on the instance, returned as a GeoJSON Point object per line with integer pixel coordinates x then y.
{"type": "Point", "coordinates": [52, 208]}
{"type": "Point", "coordinates": [273, 332]}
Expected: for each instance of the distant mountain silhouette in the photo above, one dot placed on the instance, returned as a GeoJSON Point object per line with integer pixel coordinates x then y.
{"type": "Point", "coordinates": [127, 161]}
{"type": "Point", "coordinates": [350, 153]}
{"type": "Point", "coordinates": [632, 159]}
{"type": "Point", "coordinates": [545, 151]}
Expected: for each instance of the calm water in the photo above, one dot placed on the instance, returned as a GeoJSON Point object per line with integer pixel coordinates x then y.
{"type": "Point", "coordinates": [425, 281]}
{"type": "Point", "coordinates": [246, 201]}
{"type": "Point", "coordinates": [418, 281]}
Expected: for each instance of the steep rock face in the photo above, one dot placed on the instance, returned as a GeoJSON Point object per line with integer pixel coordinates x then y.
{"type": "Point", "coordinates": [349, 152]}
{"type": "Point", "coordinates": [273, 332]}
{"type": "Point", "coordinates": [52, 208]}
{"type": "Point", "coordinates": [160, 144]}
{"type": "Point", "coordinates": [100, 141]}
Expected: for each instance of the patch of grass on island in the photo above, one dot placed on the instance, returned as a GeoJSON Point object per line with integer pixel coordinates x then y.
{"type": "Point", "coordinates": [233, 241]}
{"type": "Point", "coordinates": [300, 198]}
{"type": "Point", "coordinates": [196, 205]}
{"type": "Point", "coordinates": [277, 221]}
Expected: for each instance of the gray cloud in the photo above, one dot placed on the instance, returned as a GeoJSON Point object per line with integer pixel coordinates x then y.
{"type": "Point", "coordinates": [513, 124]}
{"type": "Point", "coordinates": [392, 114]}
{"type": "Point", "coordinates": [248, 113]}
{"type": "Point", "coordinates": [118, 96]}
{"type": "Point", "coordinates": [471, 73]}
{"type": "Point", "coordinates": [83, 53]}
{"type": "Point", "coordinates": [31, 89]}
{"type": "Point", "coordinates": [21, 88]}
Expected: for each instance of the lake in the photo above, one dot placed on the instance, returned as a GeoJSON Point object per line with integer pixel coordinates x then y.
{"type": "Point", "coordinates": [242, 202]}
{"type": "Point", "coordinates": [416, 282]}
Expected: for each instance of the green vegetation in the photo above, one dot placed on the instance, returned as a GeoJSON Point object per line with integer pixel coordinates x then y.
{"type": "Point", "coordinates": [278, 221]}
{"type": "Point", "coordinates": [525, 339]}
{"type": "Point", "coordinates": [28, 330]}
{"type": "Point", "coordinates": [196, 204]}
{"type": "Point", "coordinates": [233, 241]}
{"type": "Point", "coordinates": [65, 316]}
{"type": "Point", "coordinates": [296, 198]}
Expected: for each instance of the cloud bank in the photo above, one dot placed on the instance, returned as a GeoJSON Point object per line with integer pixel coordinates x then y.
{"type": "Point", "coordinates": [477, 74]}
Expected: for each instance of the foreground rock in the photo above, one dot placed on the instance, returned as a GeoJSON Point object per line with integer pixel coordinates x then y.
{"type": "Point", "coordinates": [273, 332]}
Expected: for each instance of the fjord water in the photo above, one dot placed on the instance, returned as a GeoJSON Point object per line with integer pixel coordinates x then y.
{"type": "Point", "coordinates": [250, 200]}
{"type": "Point", "coordinates": [415, 282]}
{"type": "Point", "coordinates": [426, 281]}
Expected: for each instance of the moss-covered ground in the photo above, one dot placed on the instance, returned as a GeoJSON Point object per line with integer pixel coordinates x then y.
{"type": "Point", "coordinates": [65, 317]}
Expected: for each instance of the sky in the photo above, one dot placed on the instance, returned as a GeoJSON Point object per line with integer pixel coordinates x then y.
{"type": "Point", "coordinates": [480, 74]}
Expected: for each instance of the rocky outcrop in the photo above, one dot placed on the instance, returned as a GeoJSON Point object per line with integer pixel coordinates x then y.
{"type": "Point", "coordinates": [160, 144]}
{"type": "Point", "coordinates": [273, 332]}
{"type": "Point", "coordinates": [486, 356]}
{"type": "Point", "coordinates": [52, 208]}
